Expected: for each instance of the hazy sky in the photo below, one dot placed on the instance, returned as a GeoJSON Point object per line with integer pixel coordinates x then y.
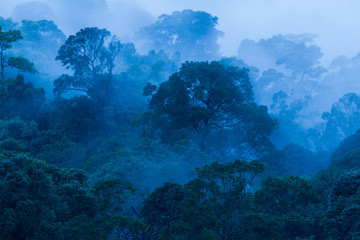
{"type": "Point", "coordinates": [335, 22]}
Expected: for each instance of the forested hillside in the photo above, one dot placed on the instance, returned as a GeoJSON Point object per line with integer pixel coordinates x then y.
{"type": "Point", "coordinates": [99, 140]}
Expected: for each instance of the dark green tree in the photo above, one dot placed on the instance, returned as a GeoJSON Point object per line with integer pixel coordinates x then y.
{"type": "Point", "coordinates": [22, 99]}
{"type": "Point", "coordinates": [40, 201]}
{"type": "Point", "coordinates": [163, 207]}
{"type": "Point", "coordinates": [343, 210]}
{"type": "Point", "coordinates": [76, 116]}
{"type": "Point", "coordinates": [286, 209]}
{"type": "Point", "coordinates": [208, 207]}
{"type": "Point", "coordinates": [203, 99]}
{"type": "Point", "coordinates": [349, 144]}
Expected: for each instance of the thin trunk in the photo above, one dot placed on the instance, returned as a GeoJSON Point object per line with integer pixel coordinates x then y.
{"type": "Point", "coordinates": [169, 227]}
{"type": "Point", "coordinates": [108, 84]}
{"type": "Point", "coordinates": [2, 60]}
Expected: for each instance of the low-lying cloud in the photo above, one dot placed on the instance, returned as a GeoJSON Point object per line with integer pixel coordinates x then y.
{"type": "Point", "coordinates": [335, 22]}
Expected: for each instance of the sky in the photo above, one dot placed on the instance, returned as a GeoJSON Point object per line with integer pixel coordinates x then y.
{"type": "Point", "coordinates": [335, 22]}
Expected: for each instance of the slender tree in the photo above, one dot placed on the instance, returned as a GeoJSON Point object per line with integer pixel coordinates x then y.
{"type": "Point", "coordinates": [6, 40]}
{"type": "Point", "coordinates": [90, 54]}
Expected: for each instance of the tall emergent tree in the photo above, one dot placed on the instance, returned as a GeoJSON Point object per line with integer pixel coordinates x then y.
{"type": "Point", "coordinates": [204, 100]}
{"type": "Point", "coordinates": [193, 34]}
{"type": "Point", "coordinates": [6, 40]}
{"type": "Point", "coordinates": [90, 54]}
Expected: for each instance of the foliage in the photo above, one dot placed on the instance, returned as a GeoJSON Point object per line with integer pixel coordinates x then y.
{"type": "Point", "coordinates": [22, 64]}
{"type": "Point", "coordinates": [342, 216]}
{"type": "Point", "coordinates": [44, 34]}
{"type": "Point", "coordinates": [6, 40]}
{"type": "Point", "coordinates": [192, 33]}
{"type": "Point", "coordinates": [207, 207]}
{"type": "Point", "coordinates": [289, 81]}
{"type": "Point", "coordinates": [76, 116]}
{"type": "Point", "coordinates": [203, 99]}
{"type": "Point", "coordinates": [342, 120]}
{"type": "Point", "coordinates": [21, 99]}
{"type": "Point", "coordinates": [7, 24]}
{"type": "Point", "coordinates": [348, 161]}
{"type": "Point", "coordinates": [300, 161]}
{"type": "Point", "coordinates": [37, 199]}
{"type": "Point", "coordinates": [177, 151]}
{"type": "Point", "coordinates": [18, 135]}
{"type": "Point", "coordinates": [295, 52]}
{"type": "Point", "coordinates": [41, 40]}
{"type": "Point", "coordinates": [350, 143]}
{"type": "Point", "coordinates": [287, 207]}
{"type": "Point", "coordinates": [90, 54]}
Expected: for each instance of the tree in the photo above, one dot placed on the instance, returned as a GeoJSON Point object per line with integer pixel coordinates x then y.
{"type": "Point", "coordinates": [290, 64]}
{"type": "Point", "coordinates": [342, 219]}
{"type": "Point", "coordinates": [300, 161]}
{"type": "Point", "coordinates": [192, 33]}
{"type": "Point", "coordinates": [42, 40]}
{"type": "Point", "coordinates": [22, 99]}
{"type": "Point", "coordinates": [204, 98]}
{"type": "Point", "coordinates": [7, 24]}
{"type": "Point", "coordinates": [295, 52]}
{"type": "Point", "coordinates": [90, 54]}
{"type": "Point", "coordinates": [287, 208]}
{"type": "Point", "coordinates": [349, 144]}
{"type": "Point", "coordinates": [44, 34]}
{"type": "Point", "coordinates": [6, 40]}
{"type": "Point", "coordinates": [40, 201]}
{"type": "Point", "coordinates": [208, 207]}
{"type": "Point", "coordinates": [163, 207]}
{"type": "Point", "coordinates": [341, 121]}
{"type": "Point", "coordinates": [76, 116]}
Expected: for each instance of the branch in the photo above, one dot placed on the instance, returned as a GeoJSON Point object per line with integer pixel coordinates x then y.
{"type": "Point", "coordinates": [76, 89]}
{"type": "Point", "coordinates": [133, 209]}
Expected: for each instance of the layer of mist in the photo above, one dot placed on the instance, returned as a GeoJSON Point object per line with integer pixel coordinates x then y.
{"type": "Point", "coordinates": [334, 22]}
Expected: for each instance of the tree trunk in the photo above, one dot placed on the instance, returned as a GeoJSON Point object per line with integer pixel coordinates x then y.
{"type": "Point", "coordinates": [108, 84]}
{"type": "Point", "coordinates": [2, 63]}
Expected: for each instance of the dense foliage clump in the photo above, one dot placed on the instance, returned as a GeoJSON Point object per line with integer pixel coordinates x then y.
{"type": "Point", "coordinates": [175, 143]}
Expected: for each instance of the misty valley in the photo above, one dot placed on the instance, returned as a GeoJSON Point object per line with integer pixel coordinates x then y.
{"type": "Point", "coordinates": [164, 137]}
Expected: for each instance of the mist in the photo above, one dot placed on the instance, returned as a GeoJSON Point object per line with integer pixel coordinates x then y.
{"type": "Point", "coordinates": [173, 119]}
{"type": "Point", "coordinates": [328, 27]}
{"type": "Point", "coordinates": [334, 22]}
